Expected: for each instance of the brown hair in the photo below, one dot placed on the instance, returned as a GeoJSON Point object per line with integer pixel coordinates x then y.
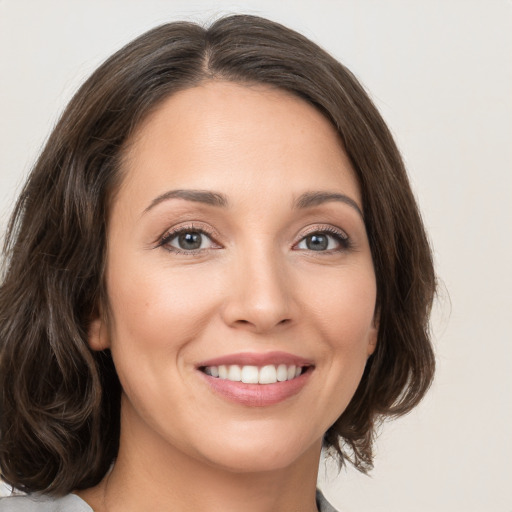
{"type": "Point", "coordinates": [59, 424]}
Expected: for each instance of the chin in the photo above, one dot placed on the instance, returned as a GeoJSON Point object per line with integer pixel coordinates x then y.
{"type": "Point", "coordinates": [261, 454]}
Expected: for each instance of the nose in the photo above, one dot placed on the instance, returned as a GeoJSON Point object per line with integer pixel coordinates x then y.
{"type": "Point", "coordinates": [260, 295]}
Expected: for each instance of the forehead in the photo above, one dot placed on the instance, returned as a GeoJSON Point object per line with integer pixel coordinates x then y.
{"type": "Point", "coordinates": [222, 135]}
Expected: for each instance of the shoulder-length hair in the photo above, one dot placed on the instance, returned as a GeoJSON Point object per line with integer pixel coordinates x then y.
{"type": "Point", "coordinates": [60, 401]}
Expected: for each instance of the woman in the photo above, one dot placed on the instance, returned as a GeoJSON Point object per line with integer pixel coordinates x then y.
{"type": "Point", "coordinates": [216, 268]}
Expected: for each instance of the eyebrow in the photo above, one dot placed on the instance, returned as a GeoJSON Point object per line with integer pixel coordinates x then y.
{"type": "Point", "coordinates": [197, 196]}
{"type": "Point", "coordinates": [310, 199]}
{"type": "Point", "coordinates": [306, 200]}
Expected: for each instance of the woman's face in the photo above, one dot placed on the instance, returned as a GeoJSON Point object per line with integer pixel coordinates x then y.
{"type": "Point", "coordinates": [237, 250]}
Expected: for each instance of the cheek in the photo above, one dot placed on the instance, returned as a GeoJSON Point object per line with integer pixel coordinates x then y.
{"type": "Point", "coordinates": [343, 312]}
{"type": "Point", "coordinates": [155, 306]}
{"type": "Point", "coordinates": [155, 316]}
{"type": "Point", "coordinates": [344, 307]}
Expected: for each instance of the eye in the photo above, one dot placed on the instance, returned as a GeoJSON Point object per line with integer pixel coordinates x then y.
{"type": "Point", "coordinates": [187, 240]}
{"type": "Point", "coordinates": [322, 241]}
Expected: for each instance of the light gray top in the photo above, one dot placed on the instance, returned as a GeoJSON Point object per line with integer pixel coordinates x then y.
{"type": "Point", "coordinates": [72, 503]}
{"type": "Point", "coordinates": [41, 503]}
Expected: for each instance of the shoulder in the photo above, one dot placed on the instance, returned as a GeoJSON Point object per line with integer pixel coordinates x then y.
{"type": "Point", "coordinates": [40, 503]}
{"type": "Point", "coordinates": [322, 504]}
{"type": "Point", "coordinates": [72, 503]}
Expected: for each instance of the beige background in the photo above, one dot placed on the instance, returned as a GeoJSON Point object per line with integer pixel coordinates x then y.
{"type": "Point", "coordinates": [441, 73]}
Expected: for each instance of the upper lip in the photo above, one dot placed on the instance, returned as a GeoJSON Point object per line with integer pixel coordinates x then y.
{"type": "Point", "coordinates": [257, 359]}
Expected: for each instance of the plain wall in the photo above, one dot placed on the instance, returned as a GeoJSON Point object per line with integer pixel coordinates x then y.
{"type": "Point", "coordinates": [441, 73]}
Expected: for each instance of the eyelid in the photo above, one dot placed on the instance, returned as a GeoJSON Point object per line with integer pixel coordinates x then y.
{"type": "Point", "coordinates": [173, 232]}
{"type": "Point", "coordinates": [338, 233]}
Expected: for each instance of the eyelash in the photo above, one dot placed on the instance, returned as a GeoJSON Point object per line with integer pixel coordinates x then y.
{"type": "Point", "coordinates": [171, 235]}
{"type": "Point", "coordinates": [342, 239]}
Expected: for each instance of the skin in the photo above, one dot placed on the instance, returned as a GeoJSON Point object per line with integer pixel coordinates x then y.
{"type": "Point", "coordinates": [253, 286]}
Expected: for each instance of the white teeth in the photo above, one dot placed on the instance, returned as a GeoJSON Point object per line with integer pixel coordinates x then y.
{"type": "Point", "coordinates": [223, 371]}
{"type": "Point", "coordinates": [234, 373]}
{"type": "Point", "coordinates": [250, 374]}
{"type": "Point", "coordinates": [269, 374]}
{"type": "Point", "coordinates": [282, 373]}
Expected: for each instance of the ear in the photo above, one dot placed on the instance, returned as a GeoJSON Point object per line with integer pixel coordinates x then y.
{"type": "Point", "coordinates": [98, 337]}
{"type": "Point", "coordinates": [372, 337]}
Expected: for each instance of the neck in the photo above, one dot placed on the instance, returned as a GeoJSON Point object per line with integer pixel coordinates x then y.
{"type": "Point", "coordinates": [153, 475]}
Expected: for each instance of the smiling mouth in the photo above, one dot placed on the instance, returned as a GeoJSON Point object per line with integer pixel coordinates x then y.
{"type": "Point", "coordinates": [250, 374]}
{"type": "Point", "coordinates": [257, 379]}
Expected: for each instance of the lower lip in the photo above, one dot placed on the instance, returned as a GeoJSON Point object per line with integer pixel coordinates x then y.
{"type": "Point", "coordinates": [257, 395]}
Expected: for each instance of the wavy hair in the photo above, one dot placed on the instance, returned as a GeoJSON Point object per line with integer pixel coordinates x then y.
{"type": "Point", "coordinates": [60, 401]}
